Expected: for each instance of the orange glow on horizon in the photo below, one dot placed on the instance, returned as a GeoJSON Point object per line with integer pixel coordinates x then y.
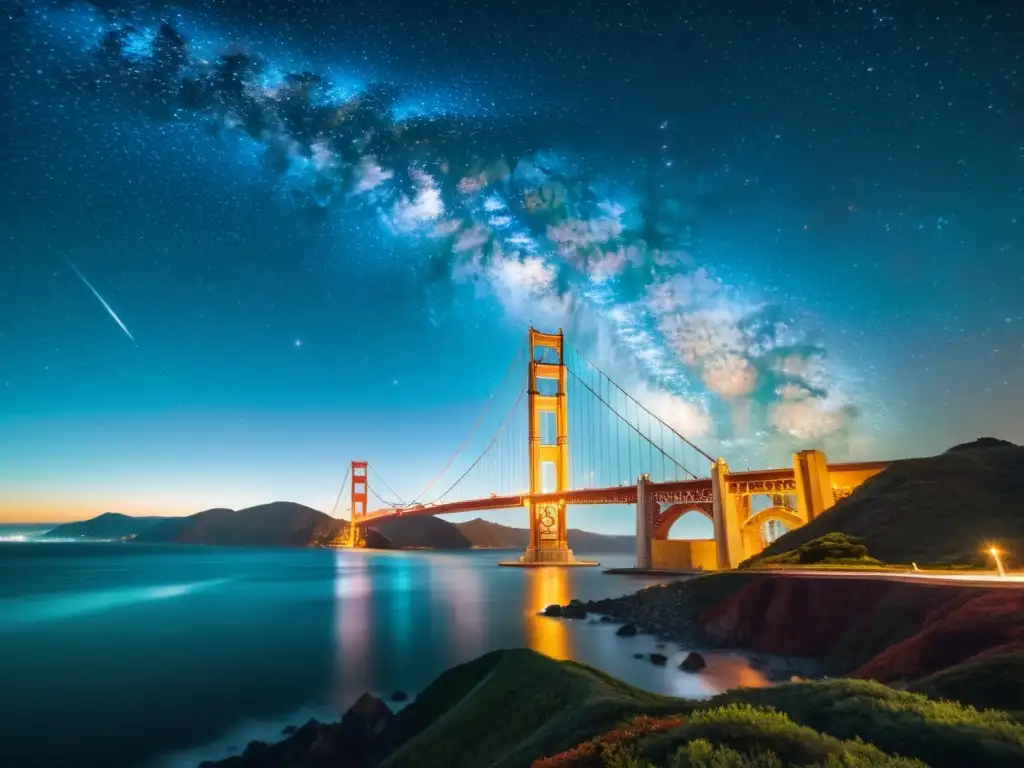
{"type": "Point", "coordinates": [68, 509]}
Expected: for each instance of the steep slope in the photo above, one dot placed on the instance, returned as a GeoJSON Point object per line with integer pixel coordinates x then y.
{"type": "Point", "coordinates": [938, 510]}
{"type": "Point", "coordinates": [516, 708]}
{"type": "Point", "coordinates": [109, 525]}
{"type": "Point", "coordinates": [426, 532]}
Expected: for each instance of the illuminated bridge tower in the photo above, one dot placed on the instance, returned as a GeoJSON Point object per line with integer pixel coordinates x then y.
{"type": "Point", "coordinates": [358, 498]}
{"type": "Point", "coordinates": [549, 451]}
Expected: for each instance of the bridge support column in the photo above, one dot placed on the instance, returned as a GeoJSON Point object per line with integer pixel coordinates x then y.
{"type": "Point", "coordinates": [813, 486]}
{"type": "Point", "coordinates": [726, 517]}
{"type": "Point", "coordinates": [548, 416]}
{"type": "Point", "coordinates": [358, 497]}
{"type": "Point", "coordinates": [644, 524]}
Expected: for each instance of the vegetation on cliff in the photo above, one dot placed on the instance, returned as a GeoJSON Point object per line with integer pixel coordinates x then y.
{"type": "Point", "coordinates": [517, 708]}
{"type": "Point", "coordinates": [830, 549]}
{"type": "Point", "coordinates": [944, 509]}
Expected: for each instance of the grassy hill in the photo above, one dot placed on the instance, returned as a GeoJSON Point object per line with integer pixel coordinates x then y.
{"type": "Point", "coordinates": [516, 708]}
{"type": "Point", "coordinates": [940, 510]}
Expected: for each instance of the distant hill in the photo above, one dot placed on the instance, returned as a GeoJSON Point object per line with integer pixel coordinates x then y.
{"type": "Point", "coordinates": [483, 533]}
{"type": "Point", "coordinates": [279, 524]}
{"type": "Point", "coordinates": [109, 525]}
{"type": "Point", "coordinates": [937, 510]}
{"type": "Point", "coordinates": [287, 524]}
{"type": "Point", "coordinates": [415, 533]}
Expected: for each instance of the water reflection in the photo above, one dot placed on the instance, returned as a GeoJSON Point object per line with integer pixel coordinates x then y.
{"type": "Point", "coordinates": [352, 626]}
{"type": "Point", "coordinates": [544, 587]}
{"type": "Point", "coordinates": [465, 600]}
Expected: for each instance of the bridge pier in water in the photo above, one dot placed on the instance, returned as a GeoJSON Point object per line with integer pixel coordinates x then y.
{"type": "Point", "coordinates": [547, 405]}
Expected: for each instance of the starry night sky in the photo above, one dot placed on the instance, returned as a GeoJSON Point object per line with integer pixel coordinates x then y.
{"type": "Point", "coordinates": [327, 225]}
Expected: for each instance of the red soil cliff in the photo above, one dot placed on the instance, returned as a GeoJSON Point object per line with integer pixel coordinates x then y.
{"type": "Point", "coordinates": [883, 630]}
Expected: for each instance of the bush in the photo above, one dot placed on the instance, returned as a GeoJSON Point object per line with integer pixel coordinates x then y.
{"type": "Point", "coordinates": [830, 549]}
{"type": "Point", "coordinates": [941, 733]}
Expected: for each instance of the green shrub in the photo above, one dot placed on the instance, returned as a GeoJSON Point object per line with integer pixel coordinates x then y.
{"type": "Point", "coordinates": [832, 548]}
{"type": "Point", "coordinates": [941, 733]}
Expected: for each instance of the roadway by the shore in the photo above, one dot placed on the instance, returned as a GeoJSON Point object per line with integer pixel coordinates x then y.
{"type": "Point", "coordinates": [961, 578]}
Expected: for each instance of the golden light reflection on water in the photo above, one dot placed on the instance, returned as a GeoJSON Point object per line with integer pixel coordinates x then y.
{"type": "Point", "coordinates": [544, 587]}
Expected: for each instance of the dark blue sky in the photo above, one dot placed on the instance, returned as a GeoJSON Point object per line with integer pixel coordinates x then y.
{"type": "Point", "coordinates": [327, 226]}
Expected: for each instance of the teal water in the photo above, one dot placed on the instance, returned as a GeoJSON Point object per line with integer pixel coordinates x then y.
{"type": "Point", "coordinates": [122, 654]}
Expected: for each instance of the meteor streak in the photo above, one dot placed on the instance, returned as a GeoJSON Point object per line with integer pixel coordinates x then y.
{"type": "Point", "coordinates": [101, 299]}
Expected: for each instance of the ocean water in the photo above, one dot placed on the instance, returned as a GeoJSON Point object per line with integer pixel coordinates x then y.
{"type": "Point", "coordinates": [160, 655]}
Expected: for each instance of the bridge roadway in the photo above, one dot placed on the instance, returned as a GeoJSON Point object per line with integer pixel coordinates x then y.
{"type": "Point", "coordinates": [676, 491]}
{"type": "Point", "coordinates": [681, 490]}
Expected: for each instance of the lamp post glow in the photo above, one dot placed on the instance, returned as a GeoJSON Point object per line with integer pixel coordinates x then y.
{"type": "Point", "coordinates": [999, 563]}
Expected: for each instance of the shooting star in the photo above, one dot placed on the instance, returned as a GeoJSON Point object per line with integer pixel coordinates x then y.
{"type": "Point", "coordinates": [96, 293]}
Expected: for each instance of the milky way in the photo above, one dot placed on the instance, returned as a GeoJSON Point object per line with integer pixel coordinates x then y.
{"type": "Point", "coordinates": [520, 207]}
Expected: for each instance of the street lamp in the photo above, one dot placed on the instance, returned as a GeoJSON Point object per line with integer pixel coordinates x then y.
{"type": "Point", "coordinates": [999, 563]}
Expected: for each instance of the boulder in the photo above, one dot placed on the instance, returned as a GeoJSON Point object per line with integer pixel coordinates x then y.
{"type": "Point", "coordinates": [626, 630]}
{"type": "Point", "coordinates": [658, 659]}
{"type": "Point", "coordinates": [693, 662]}
{"type": "Point", "coordinates": [606, 619]}
{"type": "Point", "coordinates": [638, 655]}
{"type": "Point", "coordinates": [574, 610]}
{"type": "Point", "coordinates": [553, 610]}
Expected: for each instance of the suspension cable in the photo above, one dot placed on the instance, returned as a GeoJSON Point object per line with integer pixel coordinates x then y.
{"type": "Point", "coordinates": [476, 425]}
{"type": "Point", "coordinates": [392, 490]}
{"type": "Point", "coordinates": [484, 453]}
{"type": "Point", "coordinates": [635, 429]}
{"type": "Point", "coordinates": [341, 491]}
{"type": "Point", "coordinates": [637, 402]}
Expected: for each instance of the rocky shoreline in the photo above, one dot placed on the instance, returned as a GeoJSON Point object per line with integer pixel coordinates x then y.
{"type": "Point", "coordinates": [666, 613]}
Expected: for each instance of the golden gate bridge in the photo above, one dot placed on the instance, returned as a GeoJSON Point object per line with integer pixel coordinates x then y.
{"type": "Point", "coordinates": [573, 436]}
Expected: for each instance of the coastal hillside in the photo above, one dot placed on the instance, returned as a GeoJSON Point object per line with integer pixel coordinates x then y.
{"type": "Point", "coordinates": [109, 525]}
{"type": "Point", "coordinates": [945, 509]}
{"type": "Point", "coordinates": [418, 532]}
{"type": "Point", "coordinates": [515, 708]}
{"type": "Point", "coordinates": [484, 533]}
{"type": "Point", "coordinates": [278, 524]}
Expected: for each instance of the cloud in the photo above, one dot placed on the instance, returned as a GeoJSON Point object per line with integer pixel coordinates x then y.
{"type": "Point", "coordinates": [551, 237]}
{"type": "Point", "coordinates": [730, 376]}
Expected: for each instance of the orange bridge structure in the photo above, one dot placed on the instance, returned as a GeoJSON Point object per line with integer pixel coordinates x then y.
{"type": "Point", "coordinates": [573, 436]}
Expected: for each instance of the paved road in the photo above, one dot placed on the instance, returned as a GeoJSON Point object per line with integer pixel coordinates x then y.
{"type": "Point", "coordinates": [1010, 581]}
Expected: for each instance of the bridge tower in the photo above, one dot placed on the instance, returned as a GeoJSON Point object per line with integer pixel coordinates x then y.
{"type": "Point", "coordinates": [549, 449]}
{"type": "Point", "coordinates": [358, 497]}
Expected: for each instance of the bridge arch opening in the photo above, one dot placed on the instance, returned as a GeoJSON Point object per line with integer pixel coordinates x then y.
{"type": "Point", "coordinates": [691, 525]}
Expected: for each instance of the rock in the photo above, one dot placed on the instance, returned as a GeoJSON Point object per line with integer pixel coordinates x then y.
{"type": "Point", "coordinates": [369, 715]}
{"type": "Point", "coordinates": [693, 662]}
{"type": "Point", "coordinates": [658, 659]}
{"type": "Point", "coordinates": [606, 619]}
{"type": "Point", "coordinates": [399, 696]}
{"type": "Point", "coordinates": [553, 610]}
{"type": "Point", "coordinates": [574, 610]}
{"type": "Point", "coordinates": [627, 630]}
{"type": "Point", "coordinates": [288, 730]}
{"type": "Point", "coordinates": [638, 655]}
